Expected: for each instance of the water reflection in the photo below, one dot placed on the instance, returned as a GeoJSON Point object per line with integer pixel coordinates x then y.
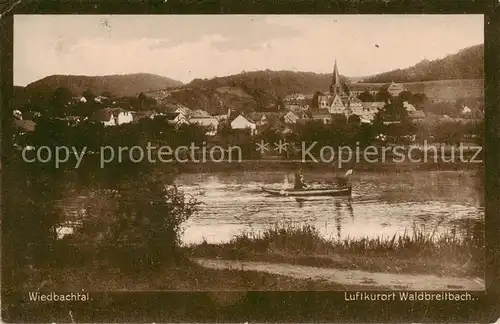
{"type": "Point", "coordinates": [381, 204]}
{"type": "Point", "coordinates": [340, 208]}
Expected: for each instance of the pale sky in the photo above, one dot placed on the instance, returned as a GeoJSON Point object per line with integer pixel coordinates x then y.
{"type": "Point", "coordinates": [204, 46]}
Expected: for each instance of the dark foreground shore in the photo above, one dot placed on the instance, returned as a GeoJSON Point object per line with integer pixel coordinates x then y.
{"type": "Point", "coordinates": [286, 257]}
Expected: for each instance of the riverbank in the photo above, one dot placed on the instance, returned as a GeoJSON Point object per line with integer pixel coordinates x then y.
{"type": "Point", "coordinates": [451, 254]}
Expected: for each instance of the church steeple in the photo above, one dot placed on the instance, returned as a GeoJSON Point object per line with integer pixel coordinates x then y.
{"type": "Point", "coordinates": [336, 87]}
{"type": "Point", "coordinates": [336, 76]}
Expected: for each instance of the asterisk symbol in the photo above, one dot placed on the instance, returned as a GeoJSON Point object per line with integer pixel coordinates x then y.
{"type": "Point", "coordinates": [281, 146]}
{"type": "Point", "coordinates": [262, 147]}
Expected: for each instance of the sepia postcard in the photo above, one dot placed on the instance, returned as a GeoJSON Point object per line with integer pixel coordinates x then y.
{"type": "Point", "coordinates": [245, 153]}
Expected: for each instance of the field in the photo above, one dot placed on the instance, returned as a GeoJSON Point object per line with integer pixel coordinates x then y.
{"type": "Point", "coordinates": [444, 90]}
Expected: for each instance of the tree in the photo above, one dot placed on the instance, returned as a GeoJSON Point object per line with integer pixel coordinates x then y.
{"type": "Point", "coordinates": [419, 99]}
{"type": "Point", "coordinates": [280, 105]}
{"type": "Point", "coordinates": [29, 217]}
{"type": "Point", "coordinates": [315, 100]}
{"type": "Point", "coordinates": [406, 96]}
{"type": "Point", "coordinates": [88, 95]}
{"type": "Point", "coordinates": [225, 130]}
{"type": "Point", "coordinates": [366, 96]}
{"type": "Point", "coordinates": [142, 100]}
{"type": "Point", "coordinates": [382, 95]}
{"type": "Point", "coordinates": [60, 99]}
{"type": "Point", "coordinates": [448, 132]}
{"type": "Point", "coordinates": [354, 119]}
{"type": "Point", "coordinates": [140, 220]}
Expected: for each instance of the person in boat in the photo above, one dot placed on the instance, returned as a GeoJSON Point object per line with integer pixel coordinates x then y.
{"type": "Point", "coordinates": [342, 182]}
{"type": "Point", "coordinates": [299, 180]}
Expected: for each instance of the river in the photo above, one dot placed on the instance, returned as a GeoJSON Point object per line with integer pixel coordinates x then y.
{"type": "Point", "coordinates": [382, 204]}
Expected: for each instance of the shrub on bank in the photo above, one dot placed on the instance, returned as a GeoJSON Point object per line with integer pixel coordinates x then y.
{"type": "Point", "coordinates": [135, 223]}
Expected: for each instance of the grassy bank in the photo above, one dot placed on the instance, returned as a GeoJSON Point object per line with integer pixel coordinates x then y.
{"type": "Point", "coordinates": [453, 254]}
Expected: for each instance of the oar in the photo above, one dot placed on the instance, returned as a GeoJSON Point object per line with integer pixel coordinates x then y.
{"type": "Point", "coordinates": [348, 175]}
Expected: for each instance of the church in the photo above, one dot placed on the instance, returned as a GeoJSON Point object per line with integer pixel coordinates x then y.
{"type": "Point", "coordinates": [340, 101]}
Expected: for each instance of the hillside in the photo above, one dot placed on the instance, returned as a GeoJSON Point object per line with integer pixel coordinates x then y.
{"type": "Point", "coordinates": [216, 101]}
{"type": "Point", "coordinates": [268, 87]}
{"type": "Point", "coordinates": [440, 90]}
{"type": "Point", "coordinates": [468, 63]}
{"type": "Point", "coordinates": [117, 85]}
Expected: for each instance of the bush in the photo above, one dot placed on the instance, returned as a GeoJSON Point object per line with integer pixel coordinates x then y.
{"type": "Point", "coordinates": [138, 222]}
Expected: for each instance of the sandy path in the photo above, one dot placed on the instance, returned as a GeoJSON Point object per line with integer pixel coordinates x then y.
{"type": "Point", "coordinates": [372, 280]}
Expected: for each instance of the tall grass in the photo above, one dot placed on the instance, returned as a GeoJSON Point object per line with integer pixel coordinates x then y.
{"type": "Point", "coordinates": [457, 252]}
{"type": "Point", "coordinates": [304, 238]}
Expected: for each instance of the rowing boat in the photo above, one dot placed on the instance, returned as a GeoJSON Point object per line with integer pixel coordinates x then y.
{"type": "Point", "coordinates": [330, 192]}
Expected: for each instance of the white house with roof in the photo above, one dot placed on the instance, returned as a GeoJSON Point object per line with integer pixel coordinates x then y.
{"type": "Point", "coordinates": [177, 118]}
{"type": "Point", "coordinates": [114, 116]}
{"type": "Point", "coordinates": [124, 117]}
{"type": "Point", "coordinates": [184, 110]}
{"type": "Point", "coordinates": [244, 122]}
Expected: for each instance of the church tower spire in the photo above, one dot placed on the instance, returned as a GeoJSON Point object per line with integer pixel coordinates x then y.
{"type": "Point", "coordinates": [336, 86]}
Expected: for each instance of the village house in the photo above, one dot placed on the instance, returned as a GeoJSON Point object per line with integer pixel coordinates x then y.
{"type": "Point", "coordinates": [355, 89]}
{"type": "Point", "coordinates": [365, 110]}
{"type": "Point", "coordinates": [296, 106]}
{"type": "Point", "coordinates": [262, 118]}
{"type": "Point", "coordinates": [244, 122]}
{"type": "Point", "coordinates": [71, 120]}
{"type": "Point", "coordinates": [292, 117]}
{"type": "Point", "coordinates": [416, 115]}
{"type": "Point", "coordinates": [24, 126]}
{"type": "Point", "coordinates": [395, 89]}
{"type": "Point", "coordinates": [275, 125]}
{"type": "Point", "coordinates": [200, 113]}
{"type": "Point", "coordinates": [177, 118]}
{"type": "Point", "coordinates": [224, 117]}
{"type": "Point", "coordinates": [145, 114]}
{"type": "Point", "coordinates": [323, 115]}
{"type": "Point", "coordinates": [294, 97]}
{"type": "Point", "coordinates": [101, 99]}
{"type": "Point", "coordinates": [114, 116]}
{"type": "Point", "coordinates": [184, 111]}
{"type": "Point", "coordinates": [210, 122]}
{"type": "Point", "coordinates": [158, 95]}
{"type": "Point", "coordinates": [408, 106]}
{"type": "Point", "coordinates": [466, 110]}
{"type": "Point", "coordinates": [259, 118]}
{"type": "Point", "coordinates": [17, 114]}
